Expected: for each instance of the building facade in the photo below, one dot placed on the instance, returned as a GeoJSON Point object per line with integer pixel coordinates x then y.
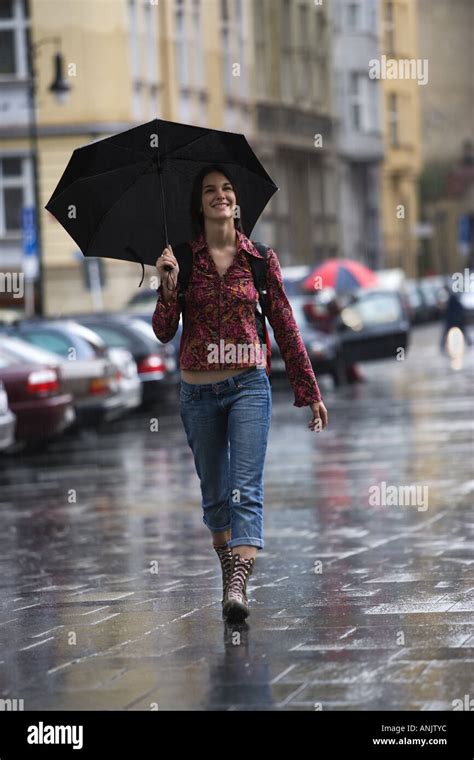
{"type": "Point", "coordinates": [447, 121]}
{"type": "Point", "coordinates": [294, 128]}
{"type": "Point", "coordinates": [402, 134]}
{"type": "Point", "coordinates": [357, 104]}
{"type": "Point", "coordinates": [260, 67]}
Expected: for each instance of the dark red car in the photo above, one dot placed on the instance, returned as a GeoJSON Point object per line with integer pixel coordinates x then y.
{"type": "Point", "coordinates": [35, 396]}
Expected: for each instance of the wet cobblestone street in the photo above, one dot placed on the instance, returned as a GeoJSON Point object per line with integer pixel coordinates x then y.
{"type": "Point", "coordinates": [110, 590]}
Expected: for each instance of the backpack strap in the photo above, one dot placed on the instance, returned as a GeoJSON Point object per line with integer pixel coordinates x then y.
{"type": "Point", "coordinates": [259, 272]}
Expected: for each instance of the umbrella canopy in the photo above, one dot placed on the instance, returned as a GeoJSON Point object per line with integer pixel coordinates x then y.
{"type": "Point", "coordinates": [341, 274]}
{"type": "Point", "coordinates": [125, 197]}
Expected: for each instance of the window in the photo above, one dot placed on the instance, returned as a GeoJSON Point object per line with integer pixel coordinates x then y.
{"type": "Point", "coordinates": [6, 9]}
{"type": "Point", "coordinates": [152, 58]}
{"type": "Point", "coordinates": [287, 62]}
{"type": "Point", "coordinates": [226, 47]}
{"type": "Point", "coordinates": [389, 28]}
{"type": "Point", "coordinates": [12, 194]}
{"type": "Point", "coordinates": [232, 45]}
{"type": "Point", "coordinates": [355, 101]}
{"type": "Point", "coordinates": [372, 16]}
{"type": "Point", "coordinates": [240, 25]}
{"type": "Point", "coordinates": [198, 49]}
{"type": "Point", "coordinates": [393, 121]}
{"type": "Point", "coordinates": [304, 58]}
{"type": "Point", "coordinates": [354, 15]}
{"type": "Point", "coordinates": [13, 51]}
{"type": "Point", "coordinates": [373, 123]}
{"type": "Point", "coordinates": [261, 41]}
{"type": "Point", "coordinates": [182, 61]}
{"type": "Point", "coordinates": [363, 102]}
{"type": "Point", "coordinates": [137, 84]}
{"type": "Point", "coordinates": [304, 25]}
{"type": "Point", "coordinates": [7, 52]}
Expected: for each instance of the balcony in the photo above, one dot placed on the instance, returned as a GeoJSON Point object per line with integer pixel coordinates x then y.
{"type": "Point", "coordinates": [291, 125]}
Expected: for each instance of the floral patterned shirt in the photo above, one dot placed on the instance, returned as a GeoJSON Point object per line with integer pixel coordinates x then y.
{"type": "Point", "coordinates": [220, 311]}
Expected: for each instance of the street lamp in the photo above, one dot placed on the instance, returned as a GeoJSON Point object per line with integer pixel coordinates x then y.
{"type": "Point", "coordinates": [34, 302]}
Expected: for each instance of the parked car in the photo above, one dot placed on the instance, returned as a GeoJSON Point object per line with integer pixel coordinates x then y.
{"type": "Point", "coordinates": [143, 302]}
{"type": "Point", "coordinates": [35, 396]}
{"type": "Point", "coordinates": [430, 297]}
{"type": "Point", "coordinates": [325, 351]}
{"type": "Point", "coordinates": [91, 375]}
{"type": "Point", "coordinates": [171, 349]}
{"type": "Point", "coordinates": [7, 420]}
{"type": "Point", "coordinates": [75, 376]}
{"type": "Point", "coordinates": [373, 325]}
{"type": "Point", "coordinates": [130, 385]}
{"type": "Point", "coordinates": [437, 285]}
{"type": "Point", "coordinates": [156, 363]}
{"type": "Point", "coordinates": [419, 311]}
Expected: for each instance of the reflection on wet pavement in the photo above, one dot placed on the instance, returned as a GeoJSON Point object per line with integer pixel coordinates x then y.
{"type": "Point", "coordinates": [110, 591]}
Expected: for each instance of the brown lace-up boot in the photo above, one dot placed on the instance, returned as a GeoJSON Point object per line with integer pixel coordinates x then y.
{"type": "Point", "coordinates": [236, 606]}
{"type": "Point", "coordinates": [224, 552]}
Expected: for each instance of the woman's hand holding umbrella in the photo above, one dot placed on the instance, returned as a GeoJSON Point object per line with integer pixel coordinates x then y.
{"type": "Point", "coordinates": [168, 269]}
{"type": "Point", "coordinates": [320, 416]}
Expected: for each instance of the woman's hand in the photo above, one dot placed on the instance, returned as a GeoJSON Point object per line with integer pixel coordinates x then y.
{"type": "Point", "coordinates": [320, 416]}
{"type": "Point", "coordinates": [167, 259]}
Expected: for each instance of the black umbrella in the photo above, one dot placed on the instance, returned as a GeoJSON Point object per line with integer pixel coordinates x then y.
{"type": "Point", "coordinates": [127, 196]}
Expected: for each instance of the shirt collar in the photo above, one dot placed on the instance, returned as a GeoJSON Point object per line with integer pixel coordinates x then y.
{"type": "Point", "coordinates": [243, 244]}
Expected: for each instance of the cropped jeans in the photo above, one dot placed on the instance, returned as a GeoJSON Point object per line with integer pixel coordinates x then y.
{"type": "Point", "coordinates": [227, 425]}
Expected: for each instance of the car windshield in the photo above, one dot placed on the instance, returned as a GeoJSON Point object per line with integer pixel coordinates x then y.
{"type": "Point", "coordinates": [376, 309]}
{"type": "Point", "coordinates": [144, 328]}
{"type": "Point", "coordinates": [89, 336]}
{"type": "Point", "coordinates": [114, 337]}
{"type": "Point", "coordinates": [65, 344]}
{"type": "Point", "coordinates": [6, 361]}
{"type": "Point", "coordinates": [19, 348]}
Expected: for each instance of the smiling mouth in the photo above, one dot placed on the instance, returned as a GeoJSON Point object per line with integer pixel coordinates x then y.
{"type": "Point", "coordinates": [218, 205]}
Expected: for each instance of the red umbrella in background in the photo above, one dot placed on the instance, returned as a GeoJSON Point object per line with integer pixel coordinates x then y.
{"type": "Point", "coordinates": [342, 275]}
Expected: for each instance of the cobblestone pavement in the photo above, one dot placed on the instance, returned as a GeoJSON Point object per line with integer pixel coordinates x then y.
{"type": "Point", "coordinates": [110, 591]}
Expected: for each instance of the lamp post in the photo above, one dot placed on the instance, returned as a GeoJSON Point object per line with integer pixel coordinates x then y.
{"type": "Point", "coordinates": [34, 301]}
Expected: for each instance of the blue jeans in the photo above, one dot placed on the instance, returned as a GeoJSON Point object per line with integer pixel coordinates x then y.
{"type": "Point", "coordinates": [227, 425]}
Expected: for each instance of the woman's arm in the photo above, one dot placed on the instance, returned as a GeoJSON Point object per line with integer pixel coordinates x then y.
{"type": "Point", "coordinates": [291, 345]}
{"type": "Point", "coordinates": [165, 319]}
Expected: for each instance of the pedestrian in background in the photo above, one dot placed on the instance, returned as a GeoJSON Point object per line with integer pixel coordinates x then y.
{"type": "Point", "coordinates": [454, 316]}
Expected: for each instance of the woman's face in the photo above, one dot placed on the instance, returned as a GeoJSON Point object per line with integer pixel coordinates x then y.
{"type": "Point", "coordinates": [218, 198]}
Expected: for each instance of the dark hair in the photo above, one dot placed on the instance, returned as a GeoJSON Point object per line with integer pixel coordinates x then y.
{"type": "Point", "coordinates": [197, 218]}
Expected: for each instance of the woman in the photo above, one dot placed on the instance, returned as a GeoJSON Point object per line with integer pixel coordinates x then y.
{"type": "Point", "coordinates": [225, 394]}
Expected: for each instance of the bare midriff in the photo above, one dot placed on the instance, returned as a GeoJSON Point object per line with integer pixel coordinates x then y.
{"type": "Point", "coordinates": [200, 376]}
